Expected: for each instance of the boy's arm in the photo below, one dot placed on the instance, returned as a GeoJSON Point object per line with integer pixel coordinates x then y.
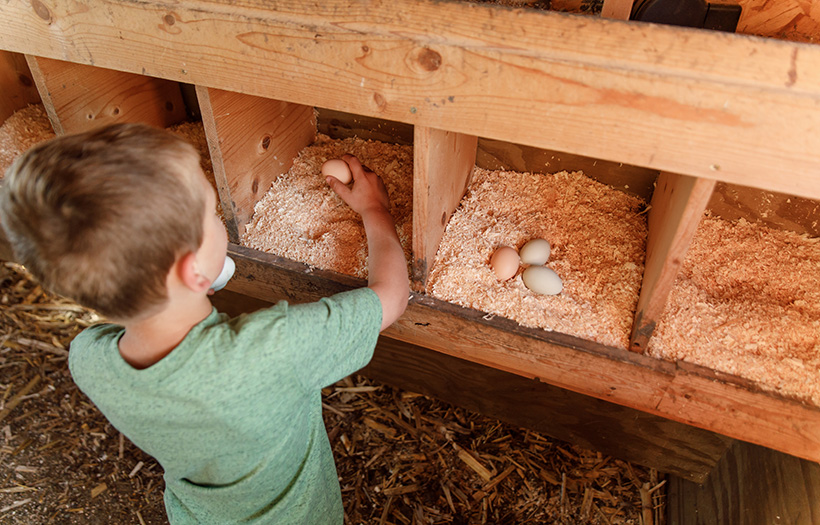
{"type": "Point", "coordinates": [387, 267]}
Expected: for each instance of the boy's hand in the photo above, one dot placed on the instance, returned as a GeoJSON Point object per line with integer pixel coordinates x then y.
{"type": "Point", "coordinates": [367, 191]}
{"type": "Point", "coordinates": [387, 267]}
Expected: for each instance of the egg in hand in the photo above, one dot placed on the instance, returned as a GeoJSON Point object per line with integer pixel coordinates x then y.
{"type": "Point", "coordinates": [338, 169]}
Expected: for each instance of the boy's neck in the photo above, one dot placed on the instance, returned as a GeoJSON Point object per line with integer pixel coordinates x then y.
{"type": "Point", "coordinates": [148, 340]}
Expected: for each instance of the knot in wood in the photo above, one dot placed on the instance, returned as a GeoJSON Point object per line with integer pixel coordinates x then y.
{"type": "Point", "coordinates": [41, 10]}
{"type": "Point", "coordinates": [429, 60]}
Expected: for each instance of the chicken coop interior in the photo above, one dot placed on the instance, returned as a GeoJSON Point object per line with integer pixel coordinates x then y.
{"type": "Point", "coordinates": [675, 171]}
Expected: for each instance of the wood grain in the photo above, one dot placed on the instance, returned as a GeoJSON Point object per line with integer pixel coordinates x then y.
{"type": "Point", "coordinates": [774, 210]}
{"type": "Point", "coordinates": [78, 97]}
{"type": "Point", "coordinates": [617, 9]}
{"type": "Point", "coordinates": [676, 210]}
{"type": "Point", "coordinates": [707, 104]}
{"type": "Point", "coordinates": [499, 155]}
{"type": "Point", "coordinates": [442, 164]}
{"type": "Point", "coordinates": [252, 140]}
{"type": "Point", "coordinates": [16, 85]}
{"type": "Point", "coordinates": [750, 485]}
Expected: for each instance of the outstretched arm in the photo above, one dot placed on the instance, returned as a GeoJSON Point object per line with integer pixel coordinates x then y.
{"type": "Point", "coordinates": [387, 267]}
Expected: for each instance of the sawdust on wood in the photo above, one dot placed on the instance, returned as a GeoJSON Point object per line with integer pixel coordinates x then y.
{"type": "Point", "coordinates": [22, 130]}
{"type": "Point", "coordinates": [302, 219]}
{"type": "Point", "coordinates": [598, 238]}
{"type": "Point", "coordinates": [747, 303]}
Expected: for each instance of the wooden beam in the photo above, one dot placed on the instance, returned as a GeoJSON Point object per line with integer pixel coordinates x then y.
{"type": "Point", "coordinates": [700, 103]}
{"type": "Point", "coordinates": [443, 162]}
{"type": "Point", "coordinates": [685, 393]}
{"type": "Point", "coordinates": [16, 84]}
{"type": "Point", "coordinates": [79, 97]}
{"type": "Point", "coordinates": [676, 209]}
{"type": "Point", "coordinates": [751, 485]}
{"type": "Point", "coordinates": [652, 441]}
{"type": "Point", "coordinates": [252, 140]}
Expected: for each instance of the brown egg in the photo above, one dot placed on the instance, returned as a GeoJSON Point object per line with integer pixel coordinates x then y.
{"type": "Point", "coordinates": [505, 262]}
{"type": "Point", "coordinates": [339, 169]}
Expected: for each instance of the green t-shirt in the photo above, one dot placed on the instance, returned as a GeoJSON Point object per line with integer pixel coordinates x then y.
{"type": "Point", "coordinates": [233, 414]}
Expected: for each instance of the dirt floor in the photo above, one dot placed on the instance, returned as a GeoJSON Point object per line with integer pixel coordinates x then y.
{"type": "Point", "coordinates": [402, 458]}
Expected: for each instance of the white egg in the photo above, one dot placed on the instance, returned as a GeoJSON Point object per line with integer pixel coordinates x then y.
{"type": "Point", "coordinates": [536, 251]}
{"type": "Point", "coordinates": [337, 168]}
{"type": "Point", "coordinates": [505, 262]}
{"type": "Point", "coordinates": [543, 280]}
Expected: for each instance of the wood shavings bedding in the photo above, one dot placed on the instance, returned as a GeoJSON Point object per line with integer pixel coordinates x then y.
{"type": "Point", "coordinates": [301, 218]}
{"type": "Point", "coordinates": [22, 130]}
{"type": "Point", "coordinates": [598, 237]}
{"type": "Point", "coordinates": [194, 132]}
{"type": "Point", "coordinates": [747, 303]}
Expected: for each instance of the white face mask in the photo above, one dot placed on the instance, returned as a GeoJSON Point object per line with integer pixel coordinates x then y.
{"type": "Point", "coordinates": [225, 275]}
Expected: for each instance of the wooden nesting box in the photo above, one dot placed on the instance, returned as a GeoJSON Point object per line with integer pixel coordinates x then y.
{"type": "Point", "coordinates": [665, 112]}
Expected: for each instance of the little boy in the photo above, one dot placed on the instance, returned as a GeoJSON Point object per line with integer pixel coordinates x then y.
{"type": "Point", "coordinates": [122, 220]}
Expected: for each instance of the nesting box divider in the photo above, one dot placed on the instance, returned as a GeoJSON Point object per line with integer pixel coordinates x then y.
{"type": "Point", "coordinates": [676, 209]}
{"type": "Point", "coordinates": [252, 140]}
{"type": "Point", "coordinates": [442, 164]}
{"type": "Point", "coordinates": [16, 84]}
{"type": "Point", "coordinates": [79, 97]}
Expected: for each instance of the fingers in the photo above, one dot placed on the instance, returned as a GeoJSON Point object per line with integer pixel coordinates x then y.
{"type": "Point", "coordinates": [337, 186]}
{"type": "Point", "coordinates": [355, 166]}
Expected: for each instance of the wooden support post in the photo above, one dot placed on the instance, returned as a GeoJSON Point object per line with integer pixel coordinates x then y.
{"type": "Point", "coordinates": [79, 97]}
{"type": "Point", "coordinates": [253, 140]}
{"type": "Point", "coordinates": [676, 210]}
{"type": "Point", "coordinates": [749, 486]}
{"type": "Point", "coordinates": [443, 162]}
{"type": "Point", "coordinates": [617, 9]}
{"type": "Point", "coordinates": [16, 85]}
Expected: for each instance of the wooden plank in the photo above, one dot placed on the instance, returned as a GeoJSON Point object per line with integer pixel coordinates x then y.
{"type": "Point", "coordinates": [688, 394]}
{"type": "Point", "coordinates": [79, 97]}
{"type": "Point", "coordinates": [16, 84]}
{"type": "Point", "coordinates": [655, 442]}
{"type": "Point", "coordinates": [649, 95]}
{"type": "Point", "coordinates": [774, 210]}
{"type": "Point", "coordinates": [499, 155]}
{"type": "Point", "coordinates": [676, 210]}
{"type": "Point", "coordinates": [617, 9]}
{"type": "Point", "coordinates": [252, 140]}
{"type": "Point", "coordinates": [442, 162]}
{"type": "Point", "coordinates": [340, 125]}
{"type": "Point", "coordinates": [751, 485]}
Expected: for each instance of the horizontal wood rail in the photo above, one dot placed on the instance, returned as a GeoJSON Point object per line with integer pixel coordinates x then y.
{"type": "Point", "coordinates": [719, 106]}
{"type": "Point", "coordinates": [685, 393]}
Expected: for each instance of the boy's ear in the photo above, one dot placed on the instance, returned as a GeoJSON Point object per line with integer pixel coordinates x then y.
{"type": "Point", "coordinates": [189, 273]}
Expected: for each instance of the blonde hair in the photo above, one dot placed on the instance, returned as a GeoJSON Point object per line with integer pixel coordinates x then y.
{"type": "Point", "coordinates": [101, 216]}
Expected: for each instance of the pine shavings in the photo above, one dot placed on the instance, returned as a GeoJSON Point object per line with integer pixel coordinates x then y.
{"type": "Point", "coordinates": [302, 219]}
{"type": "Point", "coordinates": [24, 129]}
{"type": "Point", "coordinates": [747, 303]}
{"type": "Point", "coordinates": [194, 133]}
{"type": "Point", "coordinates": [598, 238]}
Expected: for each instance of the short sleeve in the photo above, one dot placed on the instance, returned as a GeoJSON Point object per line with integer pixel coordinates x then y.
{"type": "Point", "coordinates": [336, 335]}
{"type": "Point", "coordinates": [316, 343]}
